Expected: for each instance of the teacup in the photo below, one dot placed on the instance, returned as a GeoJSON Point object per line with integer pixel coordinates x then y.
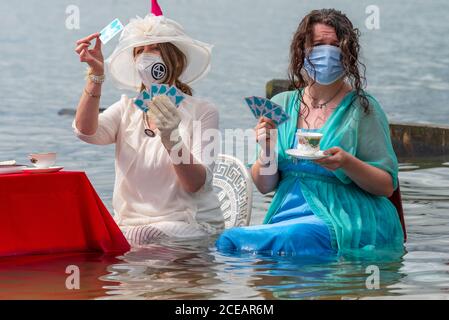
{"type": "Point", "coordinates": [43, 160]}
{"type": "Point", "coordinates": [309, 142]}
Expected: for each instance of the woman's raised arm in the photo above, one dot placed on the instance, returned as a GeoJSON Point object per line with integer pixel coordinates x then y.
{"type": "Point", "coordinates": [89, 104]}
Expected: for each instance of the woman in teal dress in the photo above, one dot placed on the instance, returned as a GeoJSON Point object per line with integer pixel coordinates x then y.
{"type": "Point", "coordinates": [339, 203]}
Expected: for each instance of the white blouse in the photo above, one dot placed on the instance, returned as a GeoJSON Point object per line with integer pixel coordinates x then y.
{"type": "Point", "coordinates": [147, 190]}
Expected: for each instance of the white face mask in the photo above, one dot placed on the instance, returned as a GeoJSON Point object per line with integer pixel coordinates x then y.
{"type": "Point", "coordinates": [151, 68]}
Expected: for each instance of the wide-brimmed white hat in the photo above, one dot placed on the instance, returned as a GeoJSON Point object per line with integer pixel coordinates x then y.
{"type": "Point", "coordinates": [152, 30]}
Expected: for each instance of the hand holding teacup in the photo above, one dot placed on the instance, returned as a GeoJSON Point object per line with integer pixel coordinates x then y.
{"type": "Point", "coordinates": [309, 144]}
{"type": "Point", "coordinates": [337, 158]}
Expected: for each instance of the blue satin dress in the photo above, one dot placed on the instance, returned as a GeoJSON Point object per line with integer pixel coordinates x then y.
{"type": "Point", "coordinates": [293, 230]}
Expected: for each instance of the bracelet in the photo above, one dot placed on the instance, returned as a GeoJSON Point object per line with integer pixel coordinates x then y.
{"type": "Point", "coordinates": [90, 94]}
{"type": "Point", "coordinates": [94, 78]}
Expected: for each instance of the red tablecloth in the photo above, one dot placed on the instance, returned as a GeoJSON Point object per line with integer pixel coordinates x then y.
{"type": "Point", "coordinates": [55, 212]}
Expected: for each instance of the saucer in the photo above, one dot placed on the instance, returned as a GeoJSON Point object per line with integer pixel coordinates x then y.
{"type": "Point", "coordinates": [42, 170]}
{"type": "Point", "coordinates": [7, 163]}
{"type": "Point", "coordinates": [299, 155]}
{"type": "Point", "coordinates": [11, 169]}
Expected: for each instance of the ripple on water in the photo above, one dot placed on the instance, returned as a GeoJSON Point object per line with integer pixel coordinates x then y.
{"type": "Point", "coordinates": [195, 273]}
{"type": "Point", "coordinates": [173, 270]}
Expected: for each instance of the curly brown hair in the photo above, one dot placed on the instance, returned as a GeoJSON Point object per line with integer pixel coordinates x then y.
{"type": "Point", "coordinates": [348, 38]}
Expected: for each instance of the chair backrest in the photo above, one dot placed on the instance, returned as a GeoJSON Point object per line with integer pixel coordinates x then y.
{"type": "Point", "coordinates": [234, 188]}
{"type": "Point", "coordinates": [397, 201]}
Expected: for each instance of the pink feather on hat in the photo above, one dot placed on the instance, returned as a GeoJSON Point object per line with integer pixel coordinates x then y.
{"type": "Point", "coordinates": [155, 8]}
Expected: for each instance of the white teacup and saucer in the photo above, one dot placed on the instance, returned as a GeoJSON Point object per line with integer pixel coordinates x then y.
{"type": "Point", "coordinates": [308, 146]}
{"type": "Point", "coordinates": [43, 163]}
{"type": "Point", "coordinates": [10, 166]}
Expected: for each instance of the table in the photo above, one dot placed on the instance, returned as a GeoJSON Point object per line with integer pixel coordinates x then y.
{"type": "Point", "coordinates": [55, 213]}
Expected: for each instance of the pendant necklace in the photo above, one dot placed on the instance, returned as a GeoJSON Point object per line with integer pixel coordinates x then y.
{"type": "Point", "coordinates": [150, 133]}
{"type": "Point", "coordinates": [324, 105]}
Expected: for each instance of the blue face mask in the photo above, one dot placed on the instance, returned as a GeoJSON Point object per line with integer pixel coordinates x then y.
{"type": "Point", "coordinates": [327, 63]}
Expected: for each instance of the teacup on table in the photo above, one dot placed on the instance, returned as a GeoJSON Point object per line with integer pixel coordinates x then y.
{"type": "Point", "coordinates": [43, 160]}
{"type": "Point", "coordinates": [309, 142]}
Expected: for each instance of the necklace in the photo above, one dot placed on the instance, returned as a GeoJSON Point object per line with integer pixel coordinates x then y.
{"type": "Point", "coordinates": [324, 105]}
{"type": "Point", "coordinates": [150, 133]}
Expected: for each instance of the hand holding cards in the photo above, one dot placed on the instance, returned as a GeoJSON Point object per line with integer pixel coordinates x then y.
{"type": "Point", "coordinates": [261, 107]}
{"type": "Point", "coordinates": [94, 57]}
{"type": "Point", "coordinates": [110, 31]}
{"type": "Point", "coordinates": [175, 95]}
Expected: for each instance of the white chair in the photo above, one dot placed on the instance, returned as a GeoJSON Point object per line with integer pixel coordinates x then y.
{"type": "Point", "coordinates": [234, 188]}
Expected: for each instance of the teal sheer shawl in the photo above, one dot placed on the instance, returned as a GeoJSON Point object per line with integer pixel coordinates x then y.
{"type": "Point", "coordinates": [356, 218]}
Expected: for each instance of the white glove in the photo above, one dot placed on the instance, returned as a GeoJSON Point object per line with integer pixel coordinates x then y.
{"type": "Point", "coordinates": [166, 118]}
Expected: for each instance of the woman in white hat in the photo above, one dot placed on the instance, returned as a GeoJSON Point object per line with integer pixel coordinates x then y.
{"type": "Point", "coordinates": [155, 195]}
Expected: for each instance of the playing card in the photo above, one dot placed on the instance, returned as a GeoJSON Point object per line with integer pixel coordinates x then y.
{"type": "Point", "coordinates": [275, 113]}
{"type": "Point", "coordinates": [110, 31]}
{"type": "Point", "coordinates": [158, 90]}
{"type": "Point", "coordinates": [266, 108]}
{"type": "Point", "coordinates": [175, 95]}
{"type": "Point", "coordinates": [258, 105]}
{"type": "Point", "coordinates": [141, 100]}
{"type": "Point", "coordinates": [253, 107]}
